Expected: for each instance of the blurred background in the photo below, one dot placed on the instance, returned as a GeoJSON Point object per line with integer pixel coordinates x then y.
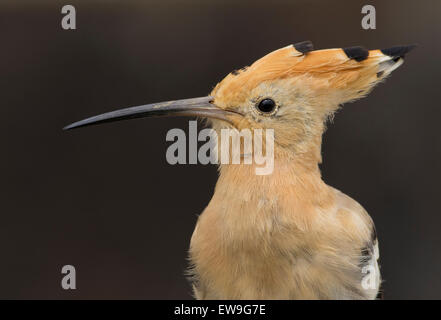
{"type": "Point", "coordinates": [105, 200]}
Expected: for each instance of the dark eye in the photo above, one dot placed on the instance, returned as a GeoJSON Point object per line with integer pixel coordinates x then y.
{"type": "Point", "coordinates": [266, 106]}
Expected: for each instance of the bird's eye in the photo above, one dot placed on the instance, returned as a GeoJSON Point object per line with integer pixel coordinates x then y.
{"type": "Point", "coordinates": [266, 106]}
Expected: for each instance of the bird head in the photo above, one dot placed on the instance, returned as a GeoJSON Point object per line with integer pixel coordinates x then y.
{"type": "Point", "coordinates": [292, 90]}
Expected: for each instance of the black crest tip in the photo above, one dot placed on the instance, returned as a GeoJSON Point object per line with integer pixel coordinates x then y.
{"type": "Point", "coordinates": [357, 53]}
{"type": "Point", "coordinates": [237, 71]}
{"type": "Point", "coordinates": [304, 46]}
{"type": "Point", "coordinates": [398, 51]}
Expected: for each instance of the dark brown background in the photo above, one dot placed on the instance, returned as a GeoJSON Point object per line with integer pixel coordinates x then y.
{"type": "Point", "coordinates": [104, 198]}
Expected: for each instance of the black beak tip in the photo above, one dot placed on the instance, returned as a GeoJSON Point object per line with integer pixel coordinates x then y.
{"type": "Point", "coordinates": [69, 127]}
{"type": "Point", "coordinates": [75, 125]}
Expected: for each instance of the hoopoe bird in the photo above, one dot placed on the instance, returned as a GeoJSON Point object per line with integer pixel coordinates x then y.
{"type": "Point", "coordinates": [285, 235]}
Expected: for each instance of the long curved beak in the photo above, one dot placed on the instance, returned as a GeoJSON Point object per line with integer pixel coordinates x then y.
{"type": "Point", "coordinates": [200, 107]}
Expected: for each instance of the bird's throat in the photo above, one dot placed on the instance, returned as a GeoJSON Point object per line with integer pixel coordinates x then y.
{"type": "Point", "coordinates": [293, 193]}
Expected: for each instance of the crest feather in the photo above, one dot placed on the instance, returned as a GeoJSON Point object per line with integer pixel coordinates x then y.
{"type": "Point", "coordinates": [354, 69]}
